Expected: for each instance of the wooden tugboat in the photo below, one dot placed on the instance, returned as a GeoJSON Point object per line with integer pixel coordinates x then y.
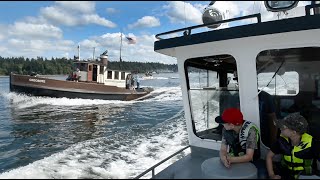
{"type": "Point", "coordinates": [94, 81]}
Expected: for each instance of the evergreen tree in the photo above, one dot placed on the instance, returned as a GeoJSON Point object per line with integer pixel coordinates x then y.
{"type": "Point", "coordinates": [64, 66]}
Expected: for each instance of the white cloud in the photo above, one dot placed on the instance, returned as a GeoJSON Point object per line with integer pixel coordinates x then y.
{"type": "Point", "coordinates": [109, 39]}
{"type": "Point", "coordinates": [28, 48]}
{"type": "Point", "coordinates": [64, 13]}
{"type": "Point", "coordinates": [39, 45]}
{"type": "Point", "coordinates": [34, 20]}
{"type": "Point", "coordinates": [59, 16]}
{"type": "Point", "coordinates": [35, 31]}
{"type": "Point", "coordinates": [95, 19]}
{"type": "Point", "coordinates": [32, 48]}
{"type": "Point", "coordinates": [146, 21]}
{"type": "Point", "coordinates": [3, 50]}
{"type": "Point", "coordinates": [79, 6]}
{"type": "Point", "coordinates": [142, 51]}
{"type": "Point", "coordinates": [63, 45]}
{"type": "Point", "coordinates": [89, 43]}
{"type": "Point", "coordinates": [182, 12]}
{"type": "Point", "coordinates": [16, 42]}
{"type": "Point", "coordinates": [66, 55]}
{"type": "Point", "coordinates": [231, 9]}
{"type": "Point", "coordinates": [3, 32]}
{"type": "Point", "coordinates": [111, 10]}
{"type": "Point", "coordinates": [200, 7]}
{"type": "Point", "coordinates": [179, 12]}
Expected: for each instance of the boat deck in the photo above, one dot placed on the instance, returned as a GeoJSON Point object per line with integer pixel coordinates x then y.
{"type": "Point", "coordinates": [188, 167]}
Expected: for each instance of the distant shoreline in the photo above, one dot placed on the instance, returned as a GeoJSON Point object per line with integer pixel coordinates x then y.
{"type": "Point", "coordinates": [2, 76]}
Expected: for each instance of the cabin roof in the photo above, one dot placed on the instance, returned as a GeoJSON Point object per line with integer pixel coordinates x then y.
{"type": "Point", "coordinates": [88, 62]}
{"type": "Point", "coordinates": [118, 70]}
{"type": "Point", "coordinates": [100, 64]}
{"type": "Point", "coordinates": [256, 29]}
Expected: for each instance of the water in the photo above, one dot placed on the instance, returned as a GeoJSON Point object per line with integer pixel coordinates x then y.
{"type": "Point", "coordinates": [43, 137]}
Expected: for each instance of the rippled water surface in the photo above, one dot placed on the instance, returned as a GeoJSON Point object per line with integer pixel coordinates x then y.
{"type": "Point", "coordinates": [43, 137]}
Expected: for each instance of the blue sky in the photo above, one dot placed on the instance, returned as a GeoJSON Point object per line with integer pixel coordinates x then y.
{"type": "Point", "coordinates": [55, 28]}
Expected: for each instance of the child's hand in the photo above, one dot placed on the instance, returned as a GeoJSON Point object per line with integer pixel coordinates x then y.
{"type": "Point", "coordinates": [275, 177]}
{"type": "Point", "coordinates": [225, 161]}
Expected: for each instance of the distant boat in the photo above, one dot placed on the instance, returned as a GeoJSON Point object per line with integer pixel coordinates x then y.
{"type": "Point", "coordinates": [147, 75]}
{"type": "Point", "coordinates": [93, 81]}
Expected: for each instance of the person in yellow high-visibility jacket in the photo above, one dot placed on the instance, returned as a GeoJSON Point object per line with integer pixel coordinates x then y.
{"type": "Point", "coordinates": [298, 149]}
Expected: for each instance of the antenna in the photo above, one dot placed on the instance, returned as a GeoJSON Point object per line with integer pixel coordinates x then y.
{"type": "Point", "coordinates": [105, 52]}
{"type": "Point", "coordinates": [120, 46]}
{"type": "Point", "coordinates": [79, 51]}
{"type": "Point", "coordinates": [211, 3]}
{"type": "Point", "coordinates": [94, 49]}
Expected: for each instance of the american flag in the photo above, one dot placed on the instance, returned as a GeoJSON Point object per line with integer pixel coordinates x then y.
{"type": "Point", "coordinates": [131, 40]}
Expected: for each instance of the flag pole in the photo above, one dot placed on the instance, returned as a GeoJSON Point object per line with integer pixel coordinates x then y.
{"type": "Point", "coordinates": [120, 45]}
{"type": "Point", "coordinates": [79, 52]}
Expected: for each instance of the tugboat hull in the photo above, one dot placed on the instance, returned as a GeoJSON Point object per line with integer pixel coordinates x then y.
{"type": "Point", "coordinates": [38, 86]}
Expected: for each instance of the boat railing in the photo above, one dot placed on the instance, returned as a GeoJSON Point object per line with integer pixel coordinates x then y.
{"type": "Point", "coordinates": [187, 30]}
{"type": "Point", "coordinates": [161, 162]}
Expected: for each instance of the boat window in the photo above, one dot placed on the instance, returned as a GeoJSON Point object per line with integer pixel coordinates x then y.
{"type": "Point", "coordinates": [116, 75]}
{"type": "Point", "coordinates": [280, 84]}
{"type": "Point", "coordinates": [101, 69]}
{"type": "Point", "coordinates": [123, 75]}
{"type": "Point", "coordinates": [90, 67]}
{"type": "Point", "coordinates": [109, 75]}
{"type": "Point", "coordinates": [212, 88]}
{"type": "Point", "coordinates": [83, 67]}
{"type": "Point", "coordinates": [291, 77]}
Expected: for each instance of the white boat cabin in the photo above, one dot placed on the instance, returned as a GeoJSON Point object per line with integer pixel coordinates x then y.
{"type": "Point", "coordinates": [97, 71]}
{"type": "Point", "coordinates": [221, 68]}
{"type": "Point", "coordinates": [267, 69]}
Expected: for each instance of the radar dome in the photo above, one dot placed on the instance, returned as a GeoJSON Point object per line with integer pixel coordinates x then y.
{"type": "Point", "coordinates": [211, 15]}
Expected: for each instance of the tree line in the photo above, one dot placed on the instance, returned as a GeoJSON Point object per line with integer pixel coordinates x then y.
{"type": "Point", "coordinates": [40, 65]}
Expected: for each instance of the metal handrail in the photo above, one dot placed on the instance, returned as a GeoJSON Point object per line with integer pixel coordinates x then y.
{"type": "Point", "coordinates": [156, 165]}
{"type": "Point", "coordinates": [258, 16]}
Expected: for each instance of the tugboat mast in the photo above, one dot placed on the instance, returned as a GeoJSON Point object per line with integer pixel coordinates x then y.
{"type": "Point", "coordinates": [120, 46]}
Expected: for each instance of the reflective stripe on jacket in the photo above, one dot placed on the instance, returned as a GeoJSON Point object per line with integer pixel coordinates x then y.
{"type": "Point", "coordinates": [295, 158]}
{"type": "Point", "coordinates": [244, 132]}
{"type": "Point", "coordinates": [239, 148]}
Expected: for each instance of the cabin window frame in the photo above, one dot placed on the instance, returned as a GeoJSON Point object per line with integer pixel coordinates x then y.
{"type": "Point", "coordinates": [116, 75]}
{"type": "Point", "coordinates": [209, 129]}
{"type": "Point", "coordinates": [306, 99]}
{"type": "Point", "coordinates": [82, 66]}
{"type": "Point", "coordinates": [109, 74]}
{"type": "Point", "coordinates": [123, 75]}
{"type": "Point", "coordinates": [101, 70]}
